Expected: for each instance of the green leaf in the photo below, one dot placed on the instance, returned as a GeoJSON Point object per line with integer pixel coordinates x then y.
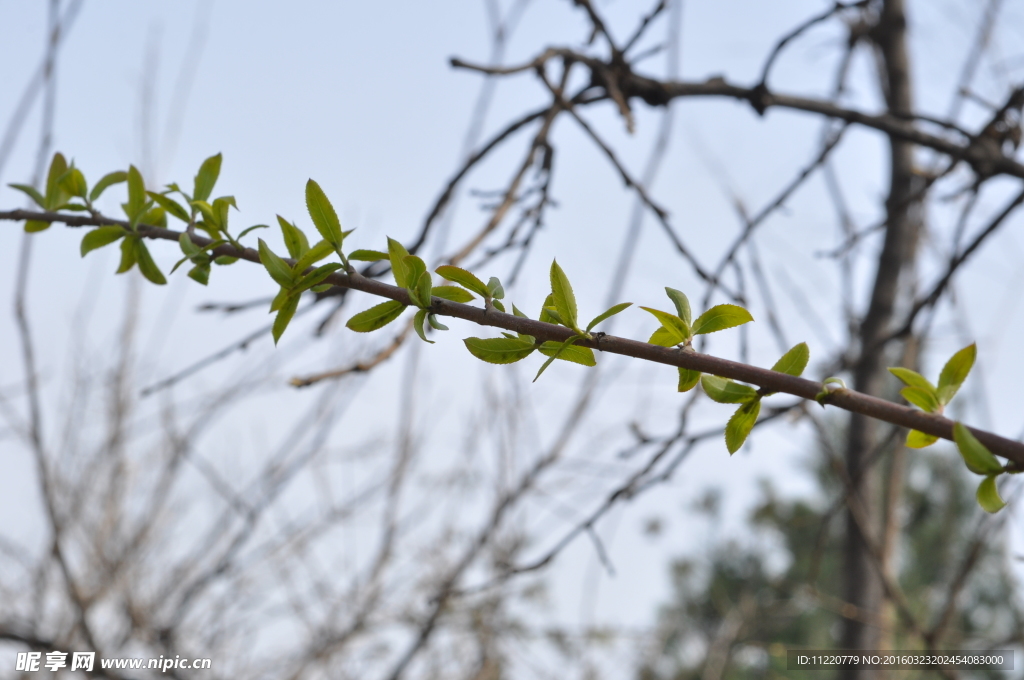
{"type": "Point", "coordinates": [209, 171]}
{"type": "Point", "coordinates": [317, 275]}
{"type": "Point", "coordinates": [225, 260]}
{"type": "Point", "coordinates": [497, 305]}
{"type": "Point", "coordinates": [463, 278]}
{"type": "Point", "coordinates": [284, 316]}
{"type": "Point", "coordinates": [674, 327]}
{"type": "Point", "coordinates": [31, 193]}
{"type": "Point", "coordinates": [102, 236]}
{"type": "Point", "coordinates": [55, 194]}
{"type": "Point", "coordinates": [720, 317]}
{"type": "Point", "coordinates": [988, 495]}
{"type": "Point", "coordinates": [740, 425]}
{"type": "Point", "coordinates": [318, 252]}
{"type": "Point", "coordinates": [453, 293]}
{"type": "Point", "coordinates": [573, 353]}
{"type": "Point", "coordinates": [827, 390]}
{"type": "Point", "coordinates": [494, 286]}
{"type": "Point", "coordinates": [562, 296]}
{"type": "Point", "coordinates": [918, 440]}
{"type": "Point", "coordinates": [608, 314]}
{"type": "Point", "coordinates": [976, 455]}
{"type": "Point", "coordinates": [108, 180]}
{"type": "Point", "coordinates": [146, 264]}
{"type": "Point", "coordinates": [794, 361]}
{"type": "Point", "coordinates": [33, 226]}
{"type": "Point", "coordinates": [200, 273]}
{"type": "Point", "coordinates": [548, 313]}
{"type": "Point", "coordinates": [499, 350]}
{"type": "Point", "coordinates": [322, 212]}
{"type": "Point", "coordinates": [397, 254]}
{"type": "Point", "coordinates": [376, 317]}
{"type": "Point", "coordinates": [432, 319]}
{"type": "Point", "coordinates": [128, 254]}
{"type": "Point", "coordinates": [170, 205]}
{"type": "Point", "coordinates": [417, 323]}
{"type": "Point", "coordinates": [321, 288]}
{"type": "Point", "coordinates": [276, 267]}
{"type": "Point", "coordinates": [220, 208]}
{"type": "Point", "coordinates": [726, 391]}
{"type": "Point", "coordinates": [279, 299]}
{"type": "Point", "coordinates": [682, 304]}
{"type": "Point", "coordinates": [688, 379]}
{"type": "Point", "coordinates": [414, 270]}
{"type": "Point", "coordinates": [74, 182]}
{"type": "Point", "coordinates": [363, 255]}
{"type": "Point", "coordinates": [914, 379]}
{"type": "Point", "coordinates": [208, 213]}
{"type": "Point", "coordinates": [664, 338]}
{"type": "Point", "coordinates": [955, 372]}
{"type": "Point", "coordinates": [921, 398]}
{"type": "Point", "coordinates": [294, 239]}
{"type": "Point", "coordinates": [136, 194]}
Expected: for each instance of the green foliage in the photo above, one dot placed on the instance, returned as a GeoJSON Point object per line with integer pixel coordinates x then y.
{"type": "Point", "coordinates": [499, 350]}
{"type": "Point", "coordinates": [376, 317]}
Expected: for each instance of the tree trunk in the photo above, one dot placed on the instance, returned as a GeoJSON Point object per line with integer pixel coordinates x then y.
{"type": "Point", "coordinates": [862, 586]}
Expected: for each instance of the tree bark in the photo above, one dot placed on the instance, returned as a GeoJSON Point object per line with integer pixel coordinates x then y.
{"type": "Point", "coordinates": [862, 585]}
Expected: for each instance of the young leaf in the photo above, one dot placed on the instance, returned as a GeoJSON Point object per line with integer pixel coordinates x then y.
{"type": "Point", "coordinates": [988, 495]}
{"type": "Point", "coordinates": [200, 273]}
{"type": "Point", "coordinates": [74, 182]}
{"type": "Point", "coordinates": [209, 171]}
{"type": "Point", "coordinates": [740, 425]}
{"type": "Point", "coordinates": [58, 166]}
{"type": "Point", "coordinates": [414, 267]}
{"type": "Point", "coordinates": [921, 398]}
{"type": "Point", "coordinates": [284, 316]}
{"type": "Point", "coordinates": [827, 389]}
{"type": "Point", "coordinates": [918, 440]}
{"type": "Point", "coordinates": [463, 278]}
{"type": "Point", "coordinates": [499, 350]}
{"type": "Point", "coordinates": [276, 267]}
{"type": "Point", "coordinates": [376, 317]}
{"type": "Point", "coordinates": [170, 205]}
{"type": "Point", "coordinates": [437, 325]}
{"type": "Point", "coordinates": [688, 379]}
{"type": "Point", "coordinates": [673, 326]}
{"type": "Point", "coordinates": [107, 181]}
{"type": "Point", "coordinates": [397, 254]}
{"type": "Point", "coordinates": [363, 255]}
{"type": "Point", "coordinates": [976, 455]}
{"type": "Point", "coordinates": [682, 304]}
{"type": "Point", "coordinates": [417, 323]}
{"type": "Point", "coordinates": [497, 305]}
{"type": "Point", "coordinates": [323, 215]}
{"type": "Point", "coordinates": [607, 314]}
{"type": "Point", "coordinates": [294, 239]}
{"type": "Point", "coordinates": [556, 353]}
{"type": "Point", "coordinates": [31, 193]}
{"type": "Point", "coordinates": [562, 296]}
{"type": "Point", "coordinates": [453, 293]}
{"type": "Point", "coordinates": [720, 317]}
{"type": "Point", "coordinates": [955, 372]}
{"type": "Point", "coordinates": [318, 252]}
{"type": "Point", "coordinates": [128, 252]}
{"type": "Point", "coordinates": [913, 379]}
{"type": "Point", "coordinates": [573, 353]}
{"type": "Point", "coordinates": [726, 391]}
{"type": "Point", "coordinates": [136, 194]}
{"type": "Point", "coordinates": [102, 236]}
{"type": "Point", "coordinates": [423, 288]}
{"type": "Point", "coordinates": [146, 264]}
{"type": "Point", "coordinates": [794, 361]}
{"type": "Point", "coordinates": [157, 217]}
{"type": "Point", "coordinates": [33, 226]}
{"type": "Point", "coordinates": [665, 338]}
{"type": "Point", "coordinates": [252, 228]}
{"type": "Point", "coordinates": [494, 287]}
{"type": "Point", "coordinates": [225, 260]}
{"type": "Point", "coordinates": [317, 275]}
